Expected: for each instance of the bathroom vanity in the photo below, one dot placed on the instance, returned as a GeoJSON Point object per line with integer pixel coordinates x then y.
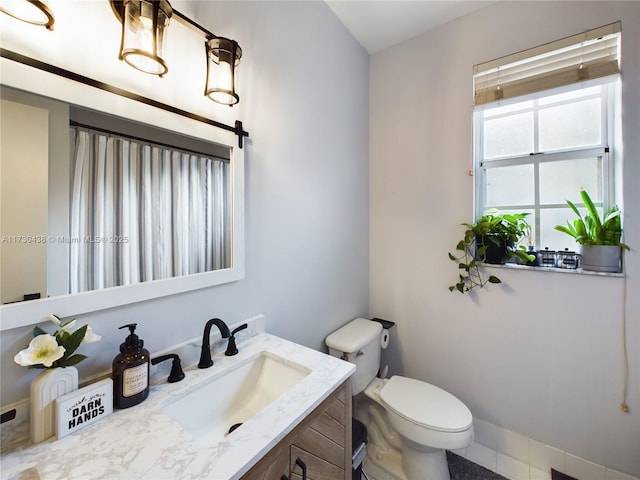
{"type": "Point", "coordinates": [318, 448]}
{"type": "Point", "coordinates": [302, 416]}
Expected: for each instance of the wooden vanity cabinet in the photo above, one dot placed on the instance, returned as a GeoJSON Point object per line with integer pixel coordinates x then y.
{"type": "Point", "coordinates": [319, 447]}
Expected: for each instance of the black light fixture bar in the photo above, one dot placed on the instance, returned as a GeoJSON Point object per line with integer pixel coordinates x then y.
{"type": "Point", "coordinates": [118, 9]}
{"type": "Point", "coordinates": [187, 22]}
{"type": "Point", "coordinates": [76, 77]}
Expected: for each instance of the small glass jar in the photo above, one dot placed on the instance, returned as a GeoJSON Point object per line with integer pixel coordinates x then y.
{"type": "Point", "coordinates": [567, 259]}
{"type": "Point", "coordinates": [547, 257]}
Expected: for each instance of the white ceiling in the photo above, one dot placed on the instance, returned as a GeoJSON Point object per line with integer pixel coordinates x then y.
{"type": "Point", "coordinates": [379, 24]}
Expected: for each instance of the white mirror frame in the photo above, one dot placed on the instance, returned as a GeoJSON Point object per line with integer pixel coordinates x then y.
{"type": "Point", "coordinates": [40, 82]}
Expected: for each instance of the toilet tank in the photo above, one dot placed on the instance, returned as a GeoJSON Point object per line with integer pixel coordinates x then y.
{"type": "Point", "coordinates": [358, 342]}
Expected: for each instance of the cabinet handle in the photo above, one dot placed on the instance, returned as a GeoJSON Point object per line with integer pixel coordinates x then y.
{"type": "Point", "coordinates": [284, 477]}
{"type": "Point", "coordinates": [303, 466]}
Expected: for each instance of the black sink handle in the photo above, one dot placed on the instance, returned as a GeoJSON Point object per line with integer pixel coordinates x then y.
{"type": "Point", "coordinates": [232, 349]}
{"type": "Point", "coordinates": [236, 330]}
{"type": "Point", "coordinates": [176, 368]}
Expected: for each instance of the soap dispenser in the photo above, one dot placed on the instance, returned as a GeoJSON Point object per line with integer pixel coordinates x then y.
{"type": "Point", "coordinates": [130, 371]}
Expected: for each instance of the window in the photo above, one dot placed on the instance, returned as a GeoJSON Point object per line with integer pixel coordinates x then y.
{"type": "Point", "coordinates": [535, 148]}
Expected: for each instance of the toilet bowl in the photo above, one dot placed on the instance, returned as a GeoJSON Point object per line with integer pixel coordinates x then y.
{"type": "Point", "coordinates": [427, 420]}
{"type": "Point", "coordinates": [410, 422]}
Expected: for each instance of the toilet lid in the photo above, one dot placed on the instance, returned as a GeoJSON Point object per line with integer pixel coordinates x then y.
{"type": "Point", "coordinates": [425, 404]}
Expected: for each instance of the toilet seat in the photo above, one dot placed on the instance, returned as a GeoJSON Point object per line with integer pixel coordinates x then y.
{"type": "Point", "coordinates": [426, 405]}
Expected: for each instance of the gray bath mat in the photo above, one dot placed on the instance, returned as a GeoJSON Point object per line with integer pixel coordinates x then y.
{"type": "Point", "coordinates": [462, 469]}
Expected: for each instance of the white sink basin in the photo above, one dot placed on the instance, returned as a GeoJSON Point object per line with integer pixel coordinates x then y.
{"type": "Point", "coordinates": [207, 412]}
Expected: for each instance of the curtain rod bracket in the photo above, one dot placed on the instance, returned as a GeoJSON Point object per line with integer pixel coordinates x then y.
{"type": "Point", "coordinates": [240, 132]}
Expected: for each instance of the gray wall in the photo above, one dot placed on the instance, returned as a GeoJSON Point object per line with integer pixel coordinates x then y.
{"type": "Point", "coordinates": [541, 354]}
{"type": "Point", "coordinates": [304, 101]}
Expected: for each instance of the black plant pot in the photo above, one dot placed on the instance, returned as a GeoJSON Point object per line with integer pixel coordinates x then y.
{"type": "Point", "coordinates": [497, 251]}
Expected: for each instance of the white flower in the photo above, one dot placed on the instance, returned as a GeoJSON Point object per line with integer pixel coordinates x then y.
{"type": "Point", "coordinates": [90, 336]}
{"type": "Point", "coordinates": [53, 351]}
{"type": "Point", "coordinates": [65, 327]}
{"type": "Point", "coordinates": [43, 349]}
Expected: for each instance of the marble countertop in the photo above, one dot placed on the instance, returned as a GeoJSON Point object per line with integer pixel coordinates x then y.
{"type": "Point", "coordinates": [144, 442]}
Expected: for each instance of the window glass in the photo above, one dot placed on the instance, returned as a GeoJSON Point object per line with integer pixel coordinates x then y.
{"type": "Point", "coordinates": [508, 136]}
{"type": "Point", "coordinates": [558, 179]}
{"type": "Point", "coordinates": [575, 94]}
{"type": "Point", "coordinates": [571, 125]}
{"type": "Point", "coordinates": [551, 238]}
{"type": "Point", "coordinates": [510, 185]}
{"type": "Point", "coordinates": [512, 108]}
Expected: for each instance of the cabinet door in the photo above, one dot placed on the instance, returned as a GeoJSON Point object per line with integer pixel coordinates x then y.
{"type": "Point", "coordinates": [316, 468]}
{"type": "Point", "coordinates": [321, 445]}
{"type": "Point", "coordinates": [273, 466]}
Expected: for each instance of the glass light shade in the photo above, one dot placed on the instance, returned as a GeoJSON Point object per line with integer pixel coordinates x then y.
{"type": "Point", "coordinates": [35, 12]}
{"type": "Point", "coordinates": [223, 57]}
{"type": "Point", "coordinates": [143, 34]}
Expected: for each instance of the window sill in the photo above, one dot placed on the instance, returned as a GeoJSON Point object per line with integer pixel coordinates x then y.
{"type": "Point", "coordinates": [574, 271]}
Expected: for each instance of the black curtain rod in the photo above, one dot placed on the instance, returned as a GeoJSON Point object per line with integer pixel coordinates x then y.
{"type": "Point", "coordinates": [47, 67]}
{"type": "Point", "coordinates": [126, 136]}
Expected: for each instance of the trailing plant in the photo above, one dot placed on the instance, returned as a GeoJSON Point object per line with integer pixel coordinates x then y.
{"type": "Point", "coordinates": [500, 229]}
{"type": "Point", "coordinates": [590, 229]}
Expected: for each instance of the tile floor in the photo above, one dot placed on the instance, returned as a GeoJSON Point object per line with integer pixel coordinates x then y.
{"type": "Point", "coordinates": [516, 457]}
{"type": "Point", "coordinates": [459, 468]}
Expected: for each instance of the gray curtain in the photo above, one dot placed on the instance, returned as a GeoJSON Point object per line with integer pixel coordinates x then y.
{"type": "Point", "coordinates": [143, 212]}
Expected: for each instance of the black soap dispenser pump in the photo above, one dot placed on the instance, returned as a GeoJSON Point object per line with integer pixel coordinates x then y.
{"type": "Point", "coordinates": [130, 371]}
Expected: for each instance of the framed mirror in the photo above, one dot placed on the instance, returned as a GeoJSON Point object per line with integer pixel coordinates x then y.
{"type": "Point", "coordinates": [41, 255]}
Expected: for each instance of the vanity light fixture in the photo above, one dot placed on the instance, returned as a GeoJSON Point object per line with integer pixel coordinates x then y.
{"type": "Point", "coordinates": [223, 56]}
{"type": "Point", "coordinates": [35, 12]}
{"type": "Point", "coordinates": [144, 24]}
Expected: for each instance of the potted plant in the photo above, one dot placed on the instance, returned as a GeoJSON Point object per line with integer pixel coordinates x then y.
{"type": "Point", "coordinates": [55, 354]}
{"type": "Point", "coordinates": [494, 238]}
{"type": "Point", "coordinates": [600, 240]}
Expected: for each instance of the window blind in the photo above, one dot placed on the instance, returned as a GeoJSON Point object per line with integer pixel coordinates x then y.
{"type": "Point", "coordinates": [588, 55]}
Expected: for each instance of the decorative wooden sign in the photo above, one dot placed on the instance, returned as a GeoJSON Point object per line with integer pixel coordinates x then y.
{"type": "Point", "coordinates": [83, 407]}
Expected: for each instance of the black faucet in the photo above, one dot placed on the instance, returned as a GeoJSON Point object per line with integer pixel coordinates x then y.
{"type": "Point", "coordinates": [231, 347]}
{"type": "Point", "coordinates": [205, 354]}
{"type": "Point", "coordinates": [176, 368]}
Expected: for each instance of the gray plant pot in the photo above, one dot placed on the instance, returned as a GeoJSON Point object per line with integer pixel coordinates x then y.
{"type": "Point", "coordinates": [601, 258]}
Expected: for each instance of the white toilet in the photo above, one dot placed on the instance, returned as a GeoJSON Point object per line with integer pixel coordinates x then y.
{"type": "Point", "coordinates": [411, 423]}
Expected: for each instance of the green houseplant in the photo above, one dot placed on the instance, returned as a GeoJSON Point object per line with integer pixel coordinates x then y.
{"type": "Point", "coordinates": [600, 239]}
{"type": "Point", "coordinates": [494, 238]}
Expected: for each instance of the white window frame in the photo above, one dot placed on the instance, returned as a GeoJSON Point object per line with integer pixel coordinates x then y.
{"type": "Point", "coordinates": [610, 91]}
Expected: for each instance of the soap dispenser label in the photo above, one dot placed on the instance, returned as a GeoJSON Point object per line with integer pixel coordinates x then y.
{"type": "Point", "coordinates": [135, 380]}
